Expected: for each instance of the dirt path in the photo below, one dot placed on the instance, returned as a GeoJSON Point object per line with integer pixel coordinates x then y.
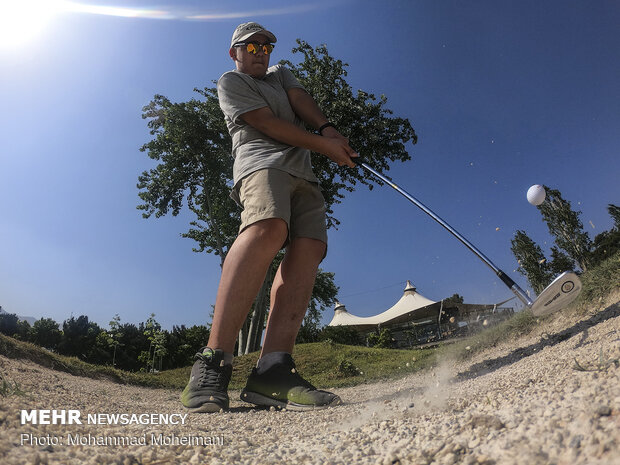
{"type": "Point", "coordinates": [523, 402]}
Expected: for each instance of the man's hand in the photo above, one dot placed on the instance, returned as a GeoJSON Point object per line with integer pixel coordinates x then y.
{"type": "Point", "coordinates": [338, 149]}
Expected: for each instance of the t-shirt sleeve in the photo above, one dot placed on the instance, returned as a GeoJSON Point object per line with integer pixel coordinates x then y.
{"type": "Point", "coordinates": [288, 79]}
{"type": "Point", "coordinates": [237, 96]}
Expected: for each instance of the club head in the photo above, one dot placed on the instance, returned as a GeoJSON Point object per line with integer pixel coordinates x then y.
{"type": "Point", "coordinates": [557, 295]}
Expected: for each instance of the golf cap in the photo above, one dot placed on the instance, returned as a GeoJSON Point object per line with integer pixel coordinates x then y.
{"type": "Point", "coordinates": [246, 30]}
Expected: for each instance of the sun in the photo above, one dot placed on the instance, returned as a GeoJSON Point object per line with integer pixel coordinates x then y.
{"type": "Point", "coordinates": [22, 21]}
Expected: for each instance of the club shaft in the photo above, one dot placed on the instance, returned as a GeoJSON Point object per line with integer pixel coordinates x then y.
{"type": "Point", "coordinates": [503, 276]}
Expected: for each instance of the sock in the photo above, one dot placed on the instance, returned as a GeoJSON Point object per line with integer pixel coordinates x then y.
{"type": "Point", "coordinates": [228, 358]}
{"type": "Point", "coordinates": [272, 358]}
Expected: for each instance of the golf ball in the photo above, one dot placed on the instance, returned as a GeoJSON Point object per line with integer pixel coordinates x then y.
{"type": "Point", "coordinates": [536, 194]}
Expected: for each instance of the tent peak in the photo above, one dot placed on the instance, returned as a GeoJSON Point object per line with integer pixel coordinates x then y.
{"type": "Point", "coordinates": [339, 308]}
{"type": "Point", "coordinates": [409, 288]}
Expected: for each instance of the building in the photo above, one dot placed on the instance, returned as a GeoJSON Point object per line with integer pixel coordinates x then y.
{"type": "Point", "coordinates": [415, 319]}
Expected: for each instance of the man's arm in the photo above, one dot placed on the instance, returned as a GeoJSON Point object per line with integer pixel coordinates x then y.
{"type": "Point", "coordinates": [307, 109]}
{"type": "Point", "coordinates": [336, 148]}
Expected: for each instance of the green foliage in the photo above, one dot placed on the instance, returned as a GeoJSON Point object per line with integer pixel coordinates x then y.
{"type": "Point", "coordinates": [8, 323]}
{"type": "Point", "coordinates": [326, 363]}
{"type": "Point", "coordinates": [614, 212]}
{"type": "Point", "coordinates": [602, 364]}
{"type": "Point", "coordinates": [607, 243]}
{"type": "Point", "coordinates": [9, 388]}
{"type": "Point", "coordinates": [381, 339]}
{"type": "Point", "coordinates": [454, 299]}
{"type": "Point", "coordinates": [23, 330]}
{"type": "Point", "coordinates": [601, 280]}
{"type": "Point", "coordinates": [372, 130]}
{"type": "Point", "coordinates": [560, 262]}
{"type": "Point", "coordinates": [341, 335]}
{"type": "Point", "coordinates": [318, 362]}
{"type": "Point", "coordinates": [183, 343]}
{"type": "Point", "coordinates": [573, 245]}
{"type": "Point", "coordinates": [521, 323]}
{"type": "Point", "coordinates": [46, 333]}
{"type": "Point", "coordinates": [532, 262]}
{"type": "Point", "coordinates": [79, 339]}
{"type": "Point", "coordinates": [566, 227]}
{"type": "Point", "coordinates": [347, 369]}
{"type": "Point", "coordinates": [192, 147]}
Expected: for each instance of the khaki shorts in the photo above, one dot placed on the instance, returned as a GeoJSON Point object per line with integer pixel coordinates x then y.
{"type": "Point", "coordinates": [272, 193]}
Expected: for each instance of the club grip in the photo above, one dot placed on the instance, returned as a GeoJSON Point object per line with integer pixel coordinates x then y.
{"type": "Point", "coordinates": [358, 160]}
{"type": "Point", "coordinates": [505, 278]}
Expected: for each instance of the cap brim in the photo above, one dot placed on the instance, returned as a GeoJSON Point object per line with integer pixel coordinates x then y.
{"type": "Point", "coordinates": [269, 34]}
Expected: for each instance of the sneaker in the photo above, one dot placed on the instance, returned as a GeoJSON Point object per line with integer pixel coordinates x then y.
{"type": "Point", "coordinates": [281, 386]}
{"type": "Point", "coordinates": [207, 389]}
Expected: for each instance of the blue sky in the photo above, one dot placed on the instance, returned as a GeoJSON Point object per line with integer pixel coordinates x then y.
{"type": "Point", "coordinates": [502, 94]}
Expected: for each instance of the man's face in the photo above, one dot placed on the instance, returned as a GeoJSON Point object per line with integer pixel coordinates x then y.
{"type": "Point", "coordinates": [254, 65]}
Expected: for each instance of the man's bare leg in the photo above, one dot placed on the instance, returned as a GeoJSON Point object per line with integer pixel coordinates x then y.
{"type": "Point", "coordinates": [243, 273]}
{"type": "Point", "coordinates": [275, 380]}
{"type": "Point", "coordinates": [291, 292]}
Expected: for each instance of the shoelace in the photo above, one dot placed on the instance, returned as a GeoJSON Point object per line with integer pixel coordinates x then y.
{"type": "Point", "coordinates": [211, 375]}
{"type": "Point", "coordinates": [300, 379]}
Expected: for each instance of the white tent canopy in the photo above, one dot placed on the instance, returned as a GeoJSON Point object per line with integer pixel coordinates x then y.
{"type": "Point", "coordinates": [409, 302]}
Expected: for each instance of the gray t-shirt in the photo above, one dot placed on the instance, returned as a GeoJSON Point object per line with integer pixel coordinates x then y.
{"type": "Point", "coordinates": [252, 150]}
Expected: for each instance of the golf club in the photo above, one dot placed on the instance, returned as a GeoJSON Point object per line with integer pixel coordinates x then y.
{"type": "Point", "coordinates": [561, 292]}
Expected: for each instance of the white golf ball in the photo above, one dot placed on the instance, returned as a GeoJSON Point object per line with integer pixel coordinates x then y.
{"type": "Point", "coordinates": [536, 194]}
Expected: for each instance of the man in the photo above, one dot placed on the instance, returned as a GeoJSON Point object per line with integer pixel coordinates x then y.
{"type": "Point", "coordinates": [265, 110]}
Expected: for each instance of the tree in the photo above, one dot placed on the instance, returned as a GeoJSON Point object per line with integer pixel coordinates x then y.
{"type": "Point", "coordinates": [532, 262]}
{"type": "Point", "coordinates": [46, 333]}
{"type": "Point", "coordinates": [114, 336]}
{"type": "Point", "coordinates": [8, 323]}
{"type": "Point", "coordinates": [133, 342]}
{"type": "Point", "coordinates": [560, 262]}
{"type": "Point", "coordinates": [607, 243]}
{"type": "Point", "coordinates": [159, 348]}
{"type": "Point", "coordinates": [453, 300]}
{"type": "Point", "coordinates": [192, 148]}
{"type": "Point", "coordinates": [183, 343]}
{"type": "Point", "coordinates": [152, 331]}
{"type": "Point", "coordinates": [23, 331]}
{"type": "Point", "coordinates": [377, 135]}
{"type": "Point", "coordinates": [341, 335]}
{"type": "Point", "coordinates": [566, 227]}
{"type": "Point", "coordinates": [614, 212]}
{"type": "Point", "coordinates": [79, 338]}
{"type": "Point", "coordinates": [381, 339]}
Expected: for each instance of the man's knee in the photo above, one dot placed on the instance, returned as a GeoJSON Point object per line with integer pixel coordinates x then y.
{"type": "Point", "coordinates": [272, 232]}
{"type": "Point", "coordinates": [312, 248]}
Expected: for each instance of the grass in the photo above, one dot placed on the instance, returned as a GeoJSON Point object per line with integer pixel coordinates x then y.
{"type": "Point", "coordinates": [9, 388]}
{"type": "Point", "coordinates": [604, 362]}
{"type": "Point", "coordinates": [600, 282]}
{"type": "Point", "coordinates": [327, 364]}
{"type": "Point", "coordinates": [519, 325]}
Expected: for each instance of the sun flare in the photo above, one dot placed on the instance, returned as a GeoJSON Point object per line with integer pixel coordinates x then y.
{"type": "Point", "coordinates": [22, 21]}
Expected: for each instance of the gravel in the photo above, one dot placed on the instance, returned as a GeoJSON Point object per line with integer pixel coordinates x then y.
{"type": "Point", "coordinates": [523, 402]}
